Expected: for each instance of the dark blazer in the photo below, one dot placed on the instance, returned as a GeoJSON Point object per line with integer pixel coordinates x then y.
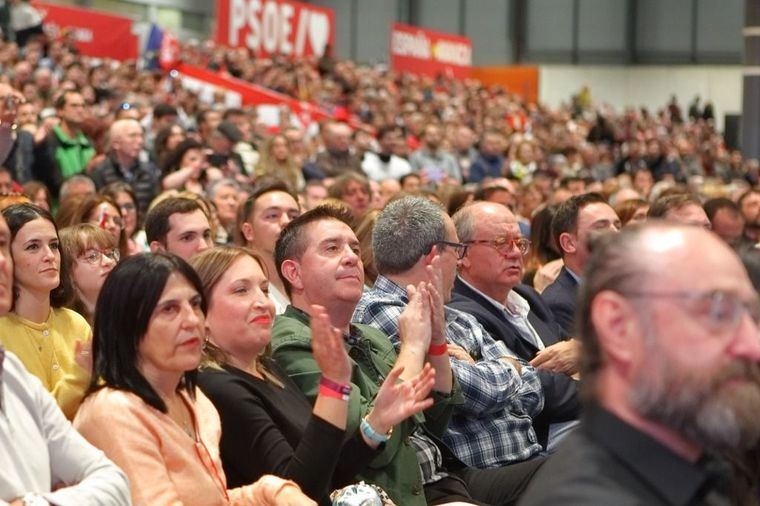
{"type": "Point", "coordinates": [561, 401]}
{"type": "Point", "coordinates": [562, 297]}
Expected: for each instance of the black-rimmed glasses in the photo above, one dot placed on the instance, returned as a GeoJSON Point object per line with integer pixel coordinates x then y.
{"type": "Point", "coordinates": [459, 248]}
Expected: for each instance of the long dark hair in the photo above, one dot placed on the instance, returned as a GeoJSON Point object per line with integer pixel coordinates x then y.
{"type": "Point", "coordinates": [122, 314]}
{"type": "Point", "coordinates": [19, 215]}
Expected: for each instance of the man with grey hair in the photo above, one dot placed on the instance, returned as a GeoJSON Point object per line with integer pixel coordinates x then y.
{"type": "Point", "coordinates": [671, 373]}
{"type": "Point", "coordinates": [123, 163]}
{"type": "Point", "coordinates": [502, 394]}
{"type": "Point", "coordinates": [77, 186]}
{"type": "Point", "coordinates": [489, 288]}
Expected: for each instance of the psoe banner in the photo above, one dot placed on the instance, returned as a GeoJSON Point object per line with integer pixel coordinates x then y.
{"type": "Point", "coordinates": [95, 33]}
{"type": "Point", "coordinates": [275, 26]}
{"type": "Point", "coordinates": [428, 52]}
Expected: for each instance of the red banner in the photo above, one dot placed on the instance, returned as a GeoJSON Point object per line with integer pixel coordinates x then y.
{"type": "Point", "coordinates": [96, 33]}
{"type": "Point", "coordinates": [428, 52]}
{"type": "Point", "coordinates": [275, 26]}
{"type": "Point", "coordinates": [239, 93]}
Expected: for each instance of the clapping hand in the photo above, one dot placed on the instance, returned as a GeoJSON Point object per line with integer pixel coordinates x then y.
{"type": "Point", "coordinates": [414, 322]}
{"type": "Point", "coordinates": [329, 348]}
{"type": "Point", "coordinates": [397, 400]}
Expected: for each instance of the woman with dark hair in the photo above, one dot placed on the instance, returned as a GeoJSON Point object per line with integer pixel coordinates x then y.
{"type": "Point", "coordinates": [166, 140]}
{"type": "Point", "coordinates": [101, 211]}
{"type": "Point", "coordinates": [149, 331]}
{"type": "Point", "coordinates": [186, 168]}
{"type": "Point", "coordinates": [48, 338]}
{"type": "Point", "coordinates": [263, 412]}
{"type": "Point", "coordinates": [124, 196]}
{"type": "Point", "coordinates": [89, 255]}
{"type": "Point", "coordinates": [543, 251]}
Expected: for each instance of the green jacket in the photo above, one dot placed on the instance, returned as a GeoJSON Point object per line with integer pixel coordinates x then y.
{"type": "Point", "coordinates": [395, 469]}
{"type": "Point", "coordinates": [72, 155]}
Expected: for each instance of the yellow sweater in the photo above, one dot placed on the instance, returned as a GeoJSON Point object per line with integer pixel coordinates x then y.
{"type": "Point", "coordinates": [47, 351]}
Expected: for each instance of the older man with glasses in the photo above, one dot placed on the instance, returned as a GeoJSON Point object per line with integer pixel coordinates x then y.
{"type": "Point", "coordinates": [493, 427]}
{"type": "Point", "coordinates": [672, 375]}
{"type": "Point", "coordinates": [489, 288]}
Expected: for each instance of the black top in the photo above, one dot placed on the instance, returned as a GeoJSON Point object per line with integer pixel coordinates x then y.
{"type": "Point", "coordinates": [267, 429]}
{"type": "Point", "coordinates": [607, 461]}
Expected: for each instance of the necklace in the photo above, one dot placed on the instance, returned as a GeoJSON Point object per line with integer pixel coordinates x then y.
{"type": "Point", "coordinates": [182, 416]}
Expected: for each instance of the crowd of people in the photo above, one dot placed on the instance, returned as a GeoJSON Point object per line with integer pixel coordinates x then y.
{"type": "Point", "coordinates": [442, 295]}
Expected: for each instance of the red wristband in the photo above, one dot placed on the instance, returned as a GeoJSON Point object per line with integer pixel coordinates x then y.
{"type": "Point", "coordinates": [438, 349]}
{"type": "Point", "coordinates": [332, 389]}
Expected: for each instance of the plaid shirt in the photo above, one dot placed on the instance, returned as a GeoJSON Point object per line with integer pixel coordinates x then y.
{"type": "Point", "coordinates": [494, 427]}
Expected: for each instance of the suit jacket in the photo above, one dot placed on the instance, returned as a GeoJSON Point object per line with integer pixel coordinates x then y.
{"type": "Point", "coordinates": [562, 297]}
{"type": "Point", "coordinates": [561, 401]}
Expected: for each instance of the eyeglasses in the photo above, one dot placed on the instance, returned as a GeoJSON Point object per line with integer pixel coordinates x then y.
{"type": "Point", "coordinates": [95, 256]}
{"type": "Point", "coordinates": [459, 248]}
{"type": "Point", "coordinates": [721, 310]}
{"type": "Point", "coordinates": [505, 244]}
{"type": "Point", "coordinates": [127, 207]}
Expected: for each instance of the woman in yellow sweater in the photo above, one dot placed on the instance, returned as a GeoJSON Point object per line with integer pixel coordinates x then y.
{"type": "Point", "coordinates": [49, 340]}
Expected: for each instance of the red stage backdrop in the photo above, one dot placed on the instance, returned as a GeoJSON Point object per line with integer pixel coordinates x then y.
{"type": "Point", "coordinates": [96, 33]}
{"type": "Point", "coordinates": [275, 26]}
{"type": "Point", "coordinates": [428, 52]}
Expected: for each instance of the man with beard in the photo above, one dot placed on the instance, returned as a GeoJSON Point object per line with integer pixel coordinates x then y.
{"type": "Point", "coordinates": [671, 373]}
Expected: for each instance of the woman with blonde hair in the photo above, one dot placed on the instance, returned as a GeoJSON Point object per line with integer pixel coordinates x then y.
{"type": "Point", "coordinates": [263, 411]}
{"type": "Point", "coordinates": [276, 161]}
{"type": "Point", "coordinates": [89, 254]}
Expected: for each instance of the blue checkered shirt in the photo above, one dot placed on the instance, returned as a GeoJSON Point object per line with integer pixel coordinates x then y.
{"type": "Point", "coordinates": [494, 427]}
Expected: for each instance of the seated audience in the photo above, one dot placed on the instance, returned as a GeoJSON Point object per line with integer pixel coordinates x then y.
{"type": "Point", "coordinates": [501, 395]}
{"type": "Point", "coordinates": [318, 258]}
{"type": "Point", "coordinates": [263, 412]}
{"type": "Point", "coordinates": [49, 339]}
{"type": "Point", "coordinates": [147, 345]}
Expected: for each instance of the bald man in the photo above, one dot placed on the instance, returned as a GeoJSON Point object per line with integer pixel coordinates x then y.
{"type": "Point", "coordinates": [123, 163]}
